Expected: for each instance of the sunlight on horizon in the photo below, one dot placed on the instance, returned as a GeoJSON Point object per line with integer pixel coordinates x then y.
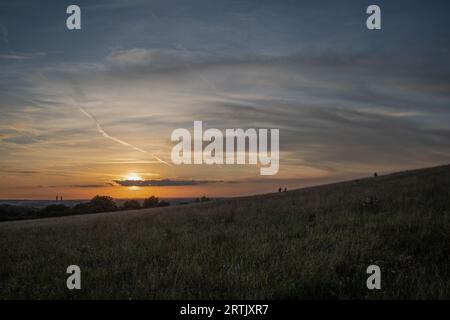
{"type": "Point", "coordinates": [133, 177]}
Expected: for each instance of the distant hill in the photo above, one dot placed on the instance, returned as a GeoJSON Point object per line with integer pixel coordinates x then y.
{"type": "Point", "coordinates": [312, 243]}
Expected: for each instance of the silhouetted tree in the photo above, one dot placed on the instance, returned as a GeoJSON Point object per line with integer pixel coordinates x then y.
{"type": "Point", "coordinates": [97, 204]}
{"type": "Point", "coordinates": [202, 199]}
{"type": "Point", "coordinates": [131, 205]}
{"type": "Point", "coordinates": [151, 202]}
{"type": "Point", "coordinates": [102, 204]}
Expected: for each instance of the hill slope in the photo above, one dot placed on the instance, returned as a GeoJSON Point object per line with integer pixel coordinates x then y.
{"type": "Point", "coordinates": [309, 243]}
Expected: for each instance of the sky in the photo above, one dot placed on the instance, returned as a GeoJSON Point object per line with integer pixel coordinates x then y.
{"type": "Point", "coordinates": [90, 111]}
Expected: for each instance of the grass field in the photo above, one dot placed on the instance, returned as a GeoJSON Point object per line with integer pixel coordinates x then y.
{"type": "Point", "coordinates": [313, 243]}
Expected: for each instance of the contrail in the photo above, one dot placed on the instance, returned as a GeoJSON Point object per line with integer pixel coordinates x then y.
{"type": "Point", "coordinates": [124, 143]}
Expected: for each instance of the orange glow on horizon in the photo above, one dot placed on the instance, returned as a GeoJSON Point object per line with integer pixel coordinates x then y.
{"type": "Point", "coordinates": [120, 192]}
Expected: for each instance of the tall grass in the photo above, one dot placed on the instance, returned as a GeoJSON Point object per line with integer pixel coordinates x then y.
{"type": "Point", "coordinates": [313, 243]}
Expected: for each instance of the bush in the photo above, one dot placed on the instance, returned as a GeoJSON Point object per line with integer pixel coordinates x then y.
{"type": "Point", "coordinates": [131, 205]}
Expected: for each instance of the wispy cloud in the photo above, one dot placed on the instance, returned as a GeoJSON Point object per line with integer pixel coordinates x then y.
{"type": "Point", "coordinates": [13, 57]}
{"type": "Point", "coordinates": [106, 184]}
{"type": "Point", "coordinates": [23, 133]}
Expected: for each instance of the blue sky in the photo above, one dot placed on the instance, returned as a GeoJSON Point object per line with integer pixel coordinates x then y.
{"type": "Point", "coordinates": [347, 100]}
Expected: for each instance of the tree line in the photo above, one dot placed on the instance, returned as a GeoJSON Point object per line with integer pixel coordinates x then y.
{"type": "Point", "coordinates": [104, 204]}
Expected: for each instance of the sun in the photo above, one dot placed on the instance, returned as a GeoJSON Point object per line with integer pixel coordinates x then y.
{"type": "Point", "coordinates": [133, 177]}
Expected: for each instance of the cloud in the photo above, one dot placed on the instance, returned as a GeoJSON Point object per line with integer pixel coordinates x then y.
{"type": "Point", "coordinates": [13, 57]}
{"type": "Point", "coordinates": [165, 183]}
{"type": "Point", "coordinates": [150, 59]}
{"type": "Point", "coordinates": [23, 56]}
{"type": "Point", "coordinates": [106, 184]}
{"type": "Point", "coordinates": [138, 56]}
{"type": "Point", "coordinates": [335, 110]}
{"type": "Point", "coordinates": [21, 172]}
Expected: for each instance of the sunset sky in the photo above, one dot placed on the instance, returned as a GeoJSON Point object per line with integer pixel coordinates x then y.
{"type": "Point", "coordinates": [82, 111]}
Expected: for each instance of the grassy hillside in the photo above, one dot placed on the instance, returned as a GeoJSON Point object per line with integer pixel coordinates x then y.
{"type": "Point", "coordinates": [309, 243]}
